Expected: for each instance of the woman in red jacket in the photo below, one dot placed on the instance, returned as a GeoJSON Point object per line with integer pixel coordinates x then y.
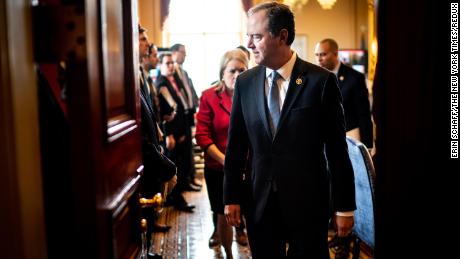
{"type": "Point", "coordinates": [213, 119]}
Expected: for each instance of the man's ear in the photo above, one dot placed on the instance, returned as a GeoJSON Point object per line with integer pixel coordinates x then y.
{"type": "Point", "coordinates": [284, 35]}
{"type": "Point", "coordinates": [336, 53]}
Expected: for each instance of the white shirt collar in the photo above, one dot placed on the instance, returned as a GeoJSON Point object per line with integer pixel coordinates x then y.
{"type": "Point", "coordinates": [336, 69]}
{"type": "Point", "coordinates": [285, 71]}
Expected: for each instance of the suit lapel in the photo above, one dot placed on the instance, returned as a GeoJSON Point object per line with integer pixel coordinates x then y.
{"type": "Point", "coordinates": [144, 88]}
{"type": "Point", "coordinates": [224, 101]}
{"type": "Point", "coordinates": [297, 83]}
{"type": "Point", "coordinates": [259, 93]}
{"type": "Point", "coordinates": [341, 74]}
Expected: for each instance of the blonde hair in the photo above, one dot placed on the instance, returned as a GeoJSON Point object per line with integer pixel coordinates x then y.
{"type": "Point", "coordinates": [230, 55]}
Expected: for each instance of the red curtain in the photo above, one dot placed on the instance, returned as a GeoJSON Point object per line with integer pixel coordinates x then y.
{"type": "Point", "coordinates": [164, 11]}
{"type": "Point", "coordinates": [165, 8]}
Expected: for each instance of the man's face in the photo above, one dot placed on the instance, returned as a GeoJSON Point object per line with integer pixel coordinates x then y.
{"type": "Point", "coordinates": [325, 57]}
{"type": "Point", "coordinates": [153, 59]}
{"type": "Point", "coordinates": [262, 44]}
{"type": "Point", "coordinates": [143, 44]}
{"type": "Point", "coordinates": [179, 55]}
{"type": "Point", "coordinates": [167, 66]}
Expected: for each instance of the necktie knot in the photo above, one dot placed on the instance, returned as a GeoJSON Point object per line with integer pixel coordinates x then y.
{"type": "Point", "coordinates": [274, 76]}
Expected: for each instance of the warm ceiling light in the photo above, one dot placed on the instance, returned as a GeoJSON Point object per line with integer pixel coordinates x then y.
{"type": "Point", "coordinates": [296, 4]}
{"type": "Point", "coordinates": [326, 4]}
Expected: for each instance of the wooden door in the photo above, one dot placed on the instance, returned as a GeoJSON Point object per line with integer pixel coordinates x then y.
{"type": "Point", "coordinates": [91, 199]}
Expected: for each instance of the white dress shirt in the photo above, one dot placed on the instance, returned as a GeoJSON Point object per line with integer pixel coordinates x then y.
{"type": "Point", "coordinates": [282, 82]}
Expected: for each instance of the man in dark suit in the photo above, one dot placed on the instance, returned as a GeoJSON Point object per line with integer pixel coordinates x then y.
{"type": "Point", "coordinates": [176, 130]}
{"type": "Point", "coordinates": [292, 129]}
{"type": "Point", "coordinates": [179, 53]}
{"type": "Point", "coordinates": [357, 111]}
{"type": "Point", "coordinates": [352, 85]}
{"type": "Point", "coordinates": [158, 169]}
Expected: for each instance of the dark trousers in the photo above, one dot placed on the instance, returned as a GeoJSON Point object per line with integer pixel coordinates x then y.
{"type": "Point", "coordinates": [277, 237]}
{"type": "Point", "coordinates": [182, 156]}
{"type": "Point", "coordinates": [179, 156]}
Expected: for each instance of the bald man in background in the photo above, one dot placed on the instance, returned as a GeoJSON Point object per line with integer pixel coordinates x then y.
{"type": "Point", "coordinates": [355, 95]}
{"type": "Point", "coordinates": [357, 112]}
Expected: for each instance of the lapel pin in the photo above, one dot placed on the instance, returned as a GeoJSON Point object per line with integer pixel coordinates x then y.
{"type": "Point", "coordinates": [298, 81]}
{"type": "Point", "coordinates": [341, 78]}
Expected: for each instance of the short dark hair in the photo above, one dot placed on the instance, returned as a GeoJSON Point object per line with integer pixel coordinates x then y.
{"type": "Point", "coordinates": [176, 47]}
{"type": "Point", "coordinates": [163, 55]}
{"type": "Point", "coordinates": [151, 46]}
{"type": "Point", "coordinates": [141, 29]}
{"type": "Point", "coordinates": [332, 44]}
{"type": "Point", "coordinates": [279, 17]}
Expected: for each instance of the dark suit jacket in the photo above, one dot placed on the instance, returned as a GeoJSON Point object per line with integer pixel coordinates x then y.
{"type": "Point", "coordinates": [192, 109]}
{"type": "Point", "coordinates": [310, 138]}
{"type": "Point", "coordinates": [179, 125]}
{"type": "Point", "coordinates": [356, 105]}
{"type": "Point", "coordinates": [213, 119]}
{"type": "Point", "coordinates": [157, 167]}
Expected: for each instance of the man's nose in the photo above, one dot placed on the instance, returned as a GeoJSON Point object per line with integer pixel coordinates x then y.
{"type": "Point", "coordinates": [250, 44]}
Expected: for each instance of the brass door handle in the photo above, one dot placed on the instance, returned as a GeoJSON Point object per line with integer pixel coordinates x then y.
{"type": "Point", "coordinates": [156, 202]}
{"type": "Point", "coordinates": [144, 240]}
{"type": "Point", "coordinates": [143, 225]}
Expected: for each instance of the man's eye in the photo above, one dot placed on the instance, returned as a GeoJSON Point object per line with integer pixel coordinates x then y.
{"type": "Point", "coordinates": [255, 37]}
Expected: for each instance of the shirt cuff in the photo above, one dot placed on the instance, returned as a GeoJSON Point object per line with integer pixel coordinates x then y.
{"type": "Point", "coordinates": [345, 213]}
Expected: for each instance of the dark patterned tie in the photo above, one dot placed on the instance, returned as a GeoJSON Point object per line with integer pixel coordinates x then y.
{"type": "Point", "coordinates": [274, 102]}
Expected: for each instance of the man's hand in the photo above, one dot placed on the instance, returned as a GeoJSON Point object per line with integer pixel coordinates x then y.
{"type": "Point", "coordinates": [344, 225]}
{"type": "Point", "coordinates": [170, 142]}
{"type": "Point", "coordinates": [181, 139]}
{"type": "Point", "coordinates": [169, 117]}
{"type": "Point", "coordinates": [233, 214]}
